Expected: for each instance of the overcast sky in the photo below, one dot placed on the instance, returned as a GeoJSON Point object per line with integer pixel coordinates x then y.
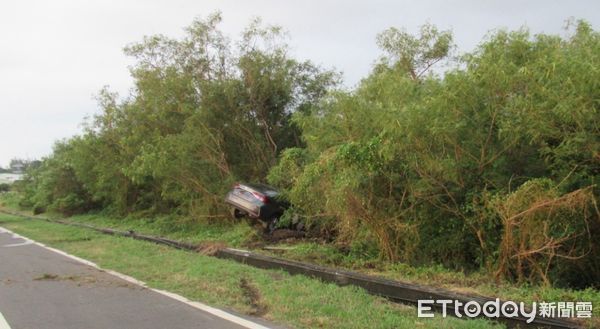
{"type": "Point", "coordinates": [56, 55]}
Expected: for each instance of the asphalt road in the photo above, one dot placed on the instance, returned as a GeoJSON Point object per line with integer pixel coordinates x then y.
{"type": "Point", "coordinates": [40, 288]}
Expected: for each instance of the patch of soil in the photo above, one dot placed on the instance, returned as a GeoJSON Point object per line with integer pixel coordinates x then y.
{"type": "Point", "coordinates": [75, 278]}
{"type": "Point", "coordinates": [81, 280]}
{"type": "Point", "coordinates": [255, 244]}
{"type": "Point", "coordinates": [73, 240]}
{"type": "Point", "coordinates": [7, 281]}
{"type": "Point", "coordinates": [254, 298]}
{"type": "Point", "coordinates": [283, 234]}
{"type": "Point", "coordinates": [47, 276]}
{"type": "Point", "coordinates": [210, 248]}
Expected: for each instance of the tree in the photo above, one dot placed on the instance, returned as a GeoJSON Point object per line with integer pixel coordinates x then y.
{"type": "Point", "coordinates": [414, 55]}
{"type": "Point", "coordinates": [204, 112]}
{"type": "Point", "coordinates": [428, 168]}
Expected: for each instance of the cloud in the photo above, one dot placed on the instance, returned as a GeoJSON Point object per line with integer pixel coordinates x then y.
{"type": "Point", "coordinates": [57, 54]}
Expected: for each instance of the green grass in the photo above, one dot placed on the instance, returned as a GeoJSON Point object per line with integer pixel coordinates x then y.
{"type": "Point", "coordinates": [476, 283]}
{"type": "Point", "coordinates": [241, 235]}
{"type": "Point", "coordinates": [294, 301]}
{"type": "Point", "coordinates": [234, 234]}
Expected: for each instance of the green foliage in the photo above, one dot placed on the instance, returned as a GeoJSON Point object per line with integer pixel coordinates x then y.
{"type": "Point", "coordinates": [413, 162]}
{"type": "Point", "coordinates": [414, 55]}
{"type": "Point", "coordinates": [205, 112]}
{"type": "Point", "coordinates": [545, 233]}
{"type": "Point", "coordinates": [420, 167]}
{"type": "Point", "coordinates": [54, 186]}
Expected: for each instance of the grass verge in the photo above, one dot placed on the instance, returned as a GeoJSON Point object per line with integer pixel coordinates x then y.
{"type": "Point", "coordinates": [295, 301]}
{"type": "Point", "coordinates": [241, 235]}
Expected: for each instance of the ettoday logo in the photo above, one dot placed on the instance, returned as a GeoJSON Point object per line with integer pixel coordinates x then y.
{"type": "Point", "coordinates": [509, 309]}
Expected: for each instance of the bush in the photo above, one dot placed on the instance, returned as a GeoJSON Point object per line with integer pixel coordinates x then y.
{"type": "Point", "coordinates": [544, 231]}
{"type": "Point", "coordinates": [4, 187]}
{"type": "Point", "coordinates": [452, 170]}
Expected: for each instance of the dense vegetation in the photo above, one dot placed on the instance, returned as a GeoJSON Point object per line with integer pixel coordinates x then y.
{"type": "Point", "coordinates": [491, 165]}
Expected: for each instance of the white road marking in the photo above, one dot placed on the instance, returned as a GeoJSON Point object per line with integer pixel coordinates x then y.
{"type": "Point", "coordinates": [3, 323]}
{"type": "Point", "coordinates": [17, 244]}
{"type": "Point", "coordinates": [214, 311]}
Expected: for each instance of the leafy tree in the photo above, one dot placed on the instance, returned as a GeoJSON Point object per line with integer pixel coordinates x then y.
{"type": "Point", "coordinates": [411, 54]}
{"type": "Point", "coordinates": [204, 113]}
{"type": "Point", "coordinates": [413, 162]}
{"type": "Point", "coordinates": [491, 165]}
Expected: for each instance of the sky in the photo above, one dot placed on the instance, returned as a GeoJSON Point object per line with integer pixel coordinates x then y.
{"type": "Point", "coordinates": [56, 55]}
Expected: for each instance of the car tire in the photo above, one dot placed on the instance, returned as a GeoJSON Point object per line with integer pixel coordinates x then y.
{"type": "Point", "coordinates": [237, 214]}
{"type": "Point", "coordinates": [271, 225]}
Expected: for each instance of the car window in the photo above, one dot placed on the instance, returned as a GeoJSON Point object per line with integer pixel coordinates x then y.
{"type": "Point", "coordinates": [271, 193]}
{"type": "Point", "coordinates": [264, 189]}
{"type": "Point", "coordinates": [249, 196]}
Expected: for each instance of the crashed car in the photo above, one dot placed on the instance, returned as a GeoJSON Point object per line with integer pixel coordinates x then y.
{"type": "Point", "coordinates": [257, 201]}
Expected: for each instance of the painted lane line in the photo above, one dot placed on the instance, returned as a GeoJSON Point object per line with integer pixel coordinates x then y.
{"type": "Point", "coordinates": [17, 244]}
{"type": "Point", "coordinates": [3, 323]}
{"type": "Point", "coordinates": [197, 305]}
{"type": "Point", "coordinates": [13, 236]}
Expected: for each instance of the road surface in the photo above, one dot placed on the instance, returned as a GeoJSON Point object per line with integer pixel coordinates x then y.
{"type": "Point", "coordinates": [40, 288]}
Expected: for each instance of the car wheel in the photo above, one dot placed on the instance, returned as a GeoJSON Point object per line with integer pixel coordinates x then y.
{"type": "Point", "coordinates": [271, 225]}
{"type": "Point", "coordinates": [237, 214]}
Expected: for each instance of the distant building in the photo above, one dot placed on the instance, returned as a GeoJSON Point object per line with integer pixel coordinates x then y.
{"type": "Point", "coordinates": [17, 167]}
